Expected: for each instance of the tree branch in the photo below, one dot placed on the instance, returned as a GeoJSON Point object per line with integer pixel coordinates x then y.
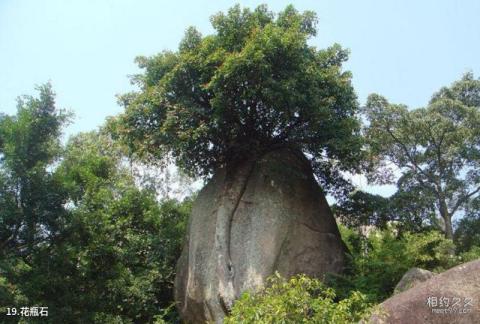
{"type": "Point", "coordinates": [464, 199]}
{"type": "Point", "coordinates": [410, 158]}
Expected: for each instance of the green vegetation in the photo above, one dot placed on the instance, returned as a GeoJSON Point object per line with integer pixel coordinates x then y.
{"type": "Point", "coordinates": [253, 86]}
{"type": "Point", "coordinates": [379, 260]}
{"type": "Point", "coordinates": [76, 234]}
{"type": "Point", "coordinates": [80, 236]}
{"type": "Point", "coordinates": [435, 148]}
{"type": "Point", "coordinates": [467, 234]}
{"type": "Point", "coordinates": [298, 300]}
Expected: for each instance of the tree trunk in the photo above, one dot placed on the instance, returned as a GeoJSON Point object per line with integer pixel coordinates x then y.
{"type": "Point", "coordinates": [448, 227]}
{"type": "Point", "coordinates": [447, 219]}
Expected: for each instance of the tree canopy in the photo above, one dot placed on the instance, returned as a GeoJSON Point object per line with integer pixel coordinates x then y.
{"type": "Point", "coordinates": [253, 86]}
{"type": "Point", "coordinates": [436, 149]}
{"type": "Point", "coordinates": [31, 199]}
{"type": "Point", "coordinates": [76, 234]}
{"type": "Point", "coordinates": [361, 209]}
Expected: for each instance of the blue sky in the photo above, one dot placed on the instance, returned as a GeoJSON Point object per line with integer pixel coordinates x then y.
{"type": "Point", "coordinates": [404, 50]}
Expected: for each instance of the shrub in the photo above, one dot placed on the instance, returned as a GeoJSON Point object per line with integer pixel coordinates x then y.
{"type": "Point", "coordinates": [298, 300]}
{"type": "Point", "coordinates": [467, 234]}
{"type": "Point", "coordinates": [380, 259]}
{"type": "Point", "coordinates": [472, 254]}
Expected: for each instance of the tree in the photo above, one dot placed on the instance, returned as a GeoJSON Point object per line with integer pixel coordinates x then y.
{"type": "Point", "coordinates": [32, 213]}
{"type": "Point", "coordinates": [116, 258]}
{"type": "Point", "coordinates": [113, 258]}
{"type": "Point", "coordinates": [253, 86]}
{"type": "Point", "coordinates": [226, 99]}
{"type": "Point", "coordinates": [467, 233]}
{"type": "Point", "coordinates": [31, 199]}
{"type": "Point", "coordinates": [380, 259]}
{"type": "Point", "coordinates": [436, 149]}
{"type": "Point", "coordinates": [408, 214]}
{"type": "Point", "coordinates": [76, 234]}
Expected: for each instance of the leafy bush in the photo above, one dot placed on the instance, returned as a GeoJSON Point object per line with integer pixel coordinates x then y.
{"type": "Point", "coordinates": [298, 300]}
{"type": "Point", "coordinates": [380, 259]}
{"type": "Point", "coordinates": [113, 257]}
{"type": "Point", "coordinates": [470, 255]}
{"type": "Point", "coordinates": [467, 234]}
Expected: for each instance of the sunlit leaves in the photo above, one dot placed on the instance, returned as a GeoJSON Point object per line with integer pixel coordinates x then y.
{"type": "Point", "coordinates": [252, 86]}
{"type": "Point", "coordinates": [298, 300]}
{"type": "Point", "coordinates": [436, 149]}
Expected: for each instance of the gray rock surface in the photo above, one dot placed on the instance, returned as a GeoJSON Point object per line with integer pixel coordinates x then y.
{"type": "Point", "coordinates": [451, 297]}
{"type": "Point", "coordinates": [265, 216]}
{"type": "Point", "coordinates": [411, 278]}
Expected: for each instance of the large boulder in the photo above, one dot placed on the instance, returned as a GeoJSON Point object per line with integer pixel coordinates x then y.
{"type": "Point", "coordinates": [265, 216]}
{"type": "Point", "coordinates": [452, 297]}
{"type": "Point", "coordinates": [411, 278]}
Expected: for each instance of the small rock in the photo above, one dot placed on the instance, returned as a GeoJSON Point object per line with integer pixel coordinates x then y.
{"type": "Point", "coordinates": [411, 278]}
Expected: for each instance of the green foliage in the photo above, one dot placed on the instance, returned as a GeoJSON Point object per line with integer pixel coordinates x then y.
{"type": "Point", "coordinates": [362, 208]}
{"type": "Point", "coordinates": [470, 255]}
{"type": "Point", "coordinates": [31, 199]}
{"type": "Point", "coordinates": [380, 259]}
{"type": "Point", "coordinates": [467, 91]}
{"type": "Point", "coordinates": [32, 213]}
{"type": "Point", "coordinates": [253, 86]}
{"type": "Point", "coordinates": [120, 247]}
{"type": "Point", "coordinates": [436, 148]}
{"type": "Point", "coordinates": [298, 300]}
{"type": "Point", "coordinates": [76, 234]}
{"type": "Point", "coordinates": [467, 234]}
{"type": "Point", "coordinates": [407, 210]}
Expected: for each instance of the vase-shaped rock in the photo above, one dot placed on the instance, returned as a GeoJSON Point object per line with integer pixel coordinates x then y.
{"type": "Point", "coordinates": [248, 222]}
